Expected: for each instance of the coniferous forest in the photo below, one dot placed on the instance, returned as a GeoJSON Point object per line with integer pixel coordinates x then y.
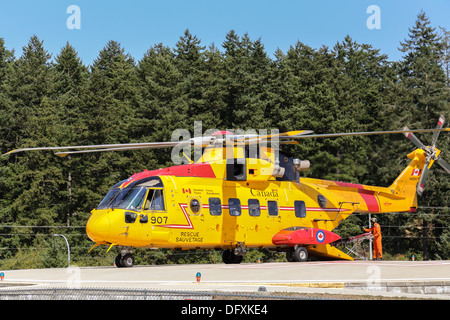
{"type": "Point", "coordinates": [54, 99]}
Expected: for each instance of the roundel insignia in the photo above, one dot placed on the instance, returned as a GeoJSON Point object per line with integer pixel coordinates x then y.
{"type": "Point", "coordinates": [320, 236]}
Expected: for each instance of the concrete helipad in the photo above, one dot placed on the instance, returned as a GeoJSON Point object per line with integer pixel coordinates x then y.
{"type": "Point", "coordinates": [401, 278]}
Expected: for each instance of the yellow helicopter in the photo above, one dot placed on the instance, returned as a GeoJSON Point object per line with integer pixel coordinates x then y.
{"type": "Point", "coordinates": [244, 193]}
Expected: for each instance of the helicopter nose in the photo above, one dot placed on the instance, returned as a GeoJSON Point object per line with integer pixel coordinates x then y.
{"type": "Point", "coordinates": [98, 227]}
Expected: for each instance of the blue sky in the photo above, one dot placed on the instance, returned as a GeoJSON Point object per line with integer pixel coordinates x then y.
{"type": "Point", "coordinates": [139, 24]}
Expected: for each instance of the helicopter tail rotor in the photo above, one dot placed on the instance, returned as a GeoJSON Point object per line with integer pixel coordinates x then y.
{"type": "Point", "coordinates": [432, 154]}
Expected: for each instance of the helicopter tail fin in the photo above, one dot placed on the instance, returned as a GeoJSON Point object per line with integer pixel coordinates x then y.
{"type": "Point", "coordinates": [413, 178]}
{"type": "Point", "coordinates": [406, 184]}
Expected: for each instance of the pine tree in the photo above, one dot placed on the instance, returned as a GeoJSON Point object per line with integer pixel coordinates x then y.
{"type": "Point", "coordinates": [422, 73]}
{"type": "Point", "coordinates": [189, 54]}
{"type": "Point", "coordinates": [163, 108]}
{"type": "Point", "coordinates": [361, 96]}
{"type": "Point", "coordinates": [297, 98]}
{"type": "Point", "coordinates": [246, 65]}
{"type": "Point", "coordinates": [6, 61]}
{"type": "Point", "coordinates": [214, 90]}
{"type": "Point", "coordinates": [190, 61]}
{"type": "Point", "coordinates": [6, 170]}
{"type": "Point", "coordinates": [29, 84]}
{"type": "Point", "coordinates": [425, 98]}
{"type": "Point", "coordinates": [445, 35]}
{"type": "Point", "coordinates": [69, 87]}
{"type": "Point", "coordinates": [69, 93]}
{"type": "Point", "coordinates": [36, 178]}
{"type": "Point", "coordinates": [110, 115]}
{"type": "Point", "coordinates": [113, 94]}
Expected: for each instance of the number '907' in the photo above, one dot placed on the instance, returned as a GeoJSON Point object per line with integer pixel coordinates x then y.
{"type": "Point", "coordinates": [158, 220]}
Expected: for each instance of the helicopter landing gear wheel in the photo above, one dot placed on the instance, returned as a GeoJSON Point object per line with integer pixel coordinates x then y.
{"type": "Point", "coordinates": [127, 260]}
{"type": "Point", "coordinates": [300, 254]}
{"type": "Point", "coordinates": [124, 261]}
{"type": "Point", "coordinates": [290, 255]}
{"type": "Point", "coordinates": [229, 257]}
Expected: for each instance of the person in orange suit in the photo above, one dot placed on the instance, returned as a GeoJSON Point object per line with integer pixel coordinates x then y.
{"type": "Point", "coordinates": [376, 231]}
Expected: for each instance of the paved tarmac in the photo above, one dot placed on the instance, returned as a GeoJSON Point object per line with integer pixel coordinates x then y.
{"type": "Point", "coordinates": [424, 279]}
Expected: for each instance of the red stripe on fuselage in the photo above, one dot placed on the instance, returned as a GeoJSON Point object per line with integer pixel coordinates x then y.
{"type": "Point", "coordinates": [370, 199]}
{"type": "Point", "coordinates": [201, 170]}
{"type": "Point", "coordinates": [367, 195]}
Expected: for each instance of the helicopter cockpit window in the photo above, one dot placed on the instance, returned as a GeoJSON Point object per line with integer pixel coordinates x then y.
{"type": "Point", "coordinates": [133, 199]}
{"type": "Point", "coordinates": [155, 200]}
{"type": "Point", "coordinates": [109, 199]}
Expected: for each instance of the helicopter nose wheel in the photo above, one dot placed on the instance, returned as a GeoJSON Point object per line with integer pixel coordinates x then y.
{"type": "Point", "coordinates": [124, 260]}
{"type": "Point", "coordinates": [229, 257]}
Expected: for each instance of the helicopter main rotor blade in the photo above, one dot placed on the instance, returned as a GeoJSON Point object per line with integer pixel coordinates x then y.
{"type": "Point", "coordinates": [290, 136]}
{"type": "Point", "coordinates": [247, 138]}
{"type": "Point", "coordinates": [66, 153]}
{"type": "Point", "coordinates": [198, 141]}
{"type": "Point", "coordinates": [367, 133]}
{"type": "Point", "coordinates": [93, 148]}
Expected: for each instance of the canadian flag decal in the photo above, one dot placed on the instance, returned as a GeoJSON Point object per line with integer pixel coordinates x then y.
{"type": "Point", "coordinates": [416, 172]}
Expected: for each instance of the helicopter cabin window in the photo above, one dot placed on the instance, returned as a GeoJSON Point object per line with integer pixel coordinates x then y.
{"type": "Point", "coordinates": [234, 206]}
{"type": "Point", "coordinates": [272, 207]}
{"type": "Point", "coordinates": [215, 207]}
{"type": "Point", "coordinates": [254, 210]}
{"type": "Point", "coordinates": [155, 200]}
{"type": "Point", "coordinates": [300, 209]}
